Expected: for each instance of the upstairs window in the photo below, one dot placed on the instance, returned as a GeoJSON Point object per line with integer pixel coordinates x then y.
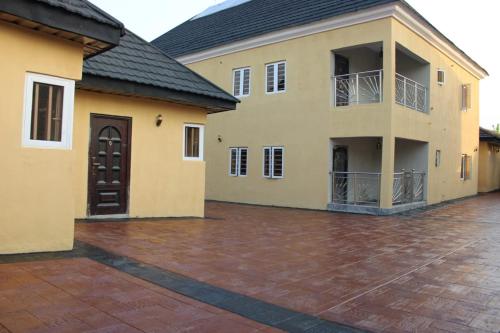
{"type": "Point", "coordinates": [273, 162]}
{"type": "Point", "coordinates": [48, 112]}
{"type": "Point", "coordinates": [466, 97]}
{"type": "Point", "coordinates": [440, 77]}
{"type": "Point", "coordinates": [241, 82]}
{"type": "Point", "coordinates": [238, 162]}
{"type": "Point", "coordinates": [193, 142]}
{"type": "Point", "coordinates": [276, 77]}
{"type": "Point", "coordinates": [466, 167]}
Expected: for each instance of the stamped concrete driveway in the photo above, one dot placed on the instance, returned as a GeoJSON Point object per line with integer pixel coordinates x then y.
{"type": "Point", "coordinates": [430, 271]}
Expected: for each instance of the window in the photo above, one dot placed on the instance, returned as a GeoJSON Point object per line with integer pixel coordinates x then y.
{"type": "Point", "coordinates": [48, 112]}
{"type": "Point", "coordinates": [466, 167]}
{"type": "Point", "coordinates": [438, 159]}
{"type": "Point", "coordinates": [241, 82]}
{"type": "Point", "coordinates": [441, 77]}
{"type": "Point", "coordinates": [466, 97]}
{"type": "Point", "coordinates": [193, 142]}
{"type": "Point", "coordinates": [238, 162]}
{"type": "Point", "coordinates": [276, 77]}
{"type": "Point", "coordinates": [273, 162]}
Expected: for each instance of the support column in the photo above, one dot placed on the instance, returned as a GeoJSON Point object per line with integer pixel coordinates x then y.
{"type": "Point", "coordinates": [387, 178]}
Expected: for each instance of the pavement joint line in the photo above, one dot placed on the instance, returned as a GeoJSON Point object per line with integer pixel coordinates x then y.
{"type": "Point", "coordinates": [401, 276]}
{"type": "Point", "coordinates": [242, 305]}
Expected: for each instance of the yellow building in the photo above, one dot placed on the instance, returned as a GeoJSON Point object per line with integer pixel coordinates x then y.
{"type": "Point", "coordinates": [489, 160]}
{"type": "Point", "coordinates": [127, 142]}
{"type": "Point", "coordinates": [364, 107]}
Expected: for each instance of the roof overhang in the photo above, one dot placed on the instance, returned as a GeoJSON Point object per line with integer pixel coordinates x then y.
{"type": "Point", "coordinates": [128, 88]}
{"type": "Point", "coordinates": [95, 36]}
{"type": "Point", "coordinates": [397, 10]}
{"type": "Point", "coordinates": [489, 136]}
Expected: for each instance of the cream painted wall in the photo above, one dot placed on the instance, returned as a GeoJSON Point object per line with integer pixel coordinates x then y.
{"type": "Point", "coordinates": [489, 167]}
{"type": "Point", "coordinates": [162, 184]}
{"type": "Point", "coordinates": [37, 206]}
{"type": "Point", "coordinates": [303, 120]}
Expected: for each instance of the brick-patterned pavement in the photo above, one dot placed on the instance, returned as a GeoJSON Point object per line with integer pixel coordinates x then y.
{"type": "Point", "coordinates": [434, 271]}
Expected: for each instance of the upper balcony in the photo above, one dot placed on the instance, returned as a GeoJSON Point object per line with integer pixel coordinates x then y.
{"type": "Point", "coordinates": [359, 77]}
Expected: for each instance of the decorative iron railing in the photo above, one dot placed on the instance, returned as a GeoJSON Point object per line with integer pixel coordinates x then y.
{"type": "Point", "coordinates": [363, 188]}
{"type": "Point", "coordinates": [410, 93]}
{"type": "Point", "coordinates": [358, 88]}
{"type": "Point", "coordinates": [408, 187]}
{"type": "Point", "coordinates": [356, 188]}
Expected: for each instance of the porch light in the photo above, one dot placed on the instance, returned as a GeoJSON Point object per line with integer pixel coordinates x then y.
{"type": "Point", "coordinates": [159, 120]}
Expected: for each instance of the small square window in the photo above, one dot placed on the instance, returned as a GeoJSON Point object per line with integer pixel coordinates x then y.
{"type": "Point", "coordinates": [276, 77]}
{"type": "Point", "coordinates": [440, 77]}
{"type": "Point", "coordinates": [193, 142]}
{"type": "Point", "coordinates": [238, 162]}
{"type": "Point", "coordinates": [273, 164]}
{"type": "Point", "coordinates": [241, 82]}
{"type": "Point", "coordinates": [48, 112]}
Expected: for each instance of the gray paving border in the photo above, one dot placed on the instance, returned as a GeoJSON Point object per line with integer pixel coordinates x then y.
{"type": "Point", "coordinates": [245, 306]}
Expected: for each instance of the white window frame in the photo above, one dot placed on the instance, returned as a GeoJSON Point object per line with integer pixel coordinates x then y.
{"type": "Point", "coordinates": [201, 142]}
{"type": "Point", "coordinates": [441, 83]}
{"type": "Point", "coordinates": [67, 112]}
{"type": "Point", "coordinates": [275, 73]}
{"type": "Point", "coordinates": [238, 161]}
{"type": "Point", "coordinates": [271, 162]}
{"type": "Point", "coordinates": [466, 97]}
{"type": "Point", "coordinates": [242, 81]}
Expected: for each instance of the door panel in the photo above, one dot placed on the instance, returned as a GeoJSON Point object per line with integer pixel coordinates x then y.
{"type": "Point", "coordinates": [109, 165]}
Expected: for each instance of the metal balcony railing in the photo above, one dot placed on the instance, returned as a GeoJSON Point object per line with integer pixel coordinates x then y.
{"type": "Point", "coordinates": [358, 88]}
{"type": "Point", "coordinates": [410, 93]}
{"type": "Point", "coordinates": [363, 188]}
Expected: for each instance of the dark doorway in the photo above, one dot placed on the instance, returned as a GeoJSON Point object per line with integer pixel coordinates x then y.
{"type": "Point", "coordinates": [340, 175]}
{"type": "Point", "coordinates": [342, 81]}
{"type": "Point", "coordinates": [109, 165]}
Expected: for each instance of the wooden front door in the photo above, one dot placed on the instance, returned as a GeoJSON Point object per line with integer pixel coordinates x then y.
{"type": "Point", "coordinates": [109, 165]}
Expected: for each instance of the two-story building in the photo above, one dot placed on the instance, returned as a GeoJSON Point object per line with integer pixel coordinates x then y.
{"type": "Point", "coordinates": [359, 106]}
{"type": "Point", "coordinates": [96, 123]}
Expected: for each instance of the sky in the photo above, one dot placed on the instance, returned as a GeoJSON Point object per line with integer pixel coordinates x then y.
{"type": "Point", "coordinates": [473, 28]}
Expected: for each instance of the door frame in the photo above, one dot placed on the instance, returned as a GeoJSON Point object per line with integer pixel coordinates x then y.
{"type": "Point", "coordinates": [332, 163]}
{"type": "Point", "coordinates": [129, 159]}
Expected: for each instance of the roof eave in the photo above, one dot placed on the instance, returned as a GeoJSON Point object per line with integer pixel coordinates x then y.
{"type": "Point", "coordinates": [128, 88]}
{"type": "Point", "coordinates": [60, 19]}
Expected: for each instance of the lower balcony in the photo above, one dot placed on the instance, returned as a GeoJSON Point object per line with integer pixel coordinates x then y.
{"type": "Point", "coordinates": [356, 176]}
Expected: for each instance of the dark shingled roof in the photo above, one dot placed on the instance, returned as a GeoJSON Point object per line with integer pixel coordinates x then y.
{"type": "Point", "coordinates": [489, 136]}
{"type": "Point", "coordinates": [251, 19]}
{"type": "Point", "coordinates": [86, 9]}
{"type": "Point", "coordinates": [136, 61]}
{"type": "Point", "coordinates": [258, 17]}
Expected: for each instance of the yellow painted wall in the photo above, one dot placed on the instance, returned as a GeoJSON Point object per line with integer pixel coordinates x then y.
{"type": "Point", "coordinates": [303, 120]}
{"type": "Point", "coordinates": [162, 184]}
{"type": "Point", "coordinates": [36, 197]}
{"type": "Point", "coordinates": [489, 167]}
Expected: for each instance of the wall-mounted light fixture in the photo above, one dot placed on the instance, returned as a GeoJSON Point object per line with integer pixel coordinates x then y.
{"type": "Point", "coordinates": [476, 149]}
{"type": "Point", "coordinates": [219, 138]}
{"type": "Point", "coordinates": [159, 120]}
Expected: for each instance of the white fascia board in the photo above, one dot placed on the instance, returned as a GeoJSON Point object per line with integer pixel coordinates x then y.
{"type": "Point", "coordinates": [401, 13]}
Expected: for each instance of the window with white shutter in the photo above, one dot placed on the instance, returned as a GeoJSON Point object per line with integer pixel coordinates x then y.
{"type": "Point", "coordinates": [241, 82]}
{"type": "Point", "coordinates": [276, 77]}
{"type": "Point", "coordinates": [273, 163]}
{"type": "Point", "coordinates": [238, 159]}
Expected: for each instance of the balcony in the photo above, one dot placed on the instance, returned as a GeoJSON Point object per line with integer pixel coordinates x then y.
{"type": "Point", "coordinates": [358, 88]}
{"type": "Point", "coordinates": [410, 93]}
{"type": "Point", "coordinates": [363, 188]}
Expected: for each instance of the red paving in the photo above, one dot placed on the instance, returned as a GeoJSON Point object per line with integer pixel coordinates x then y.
{"type": "Point", "coordinates": [438, 271]}
{"type": "Point", "coordinates": [80, 295]}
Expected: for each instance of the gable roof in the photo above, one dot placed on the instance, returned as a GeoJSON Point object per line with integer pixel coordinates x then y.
{"type": "Point", "coordinates": [489, 136]}
{"type": "Point", "coordinates": [208, 35]}
{"type": "Point", "coordinates": [76, 20]}
{"type": "Point", "coordinates": [250, 19]}
{"type": "Point", "coordinates": [136, 67]}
